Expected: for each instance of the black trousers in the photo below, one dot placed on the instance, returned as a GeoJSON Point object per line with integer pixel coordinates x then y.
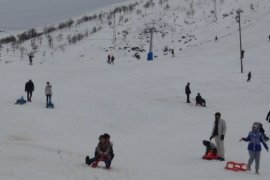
{"type": "Point", "coordinates": [29, 95]}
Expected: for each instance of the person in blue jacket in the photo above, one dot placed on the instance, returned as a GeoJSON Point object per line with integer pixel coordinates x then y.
{"type": "Point", "coordinates": [255, 138]}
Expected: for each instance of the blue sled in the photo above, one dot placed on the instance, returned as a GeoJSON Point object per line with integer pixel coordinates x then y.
{"type": "Point", "coordinates": [21, 101]}
{"type": "Point", "coordinates": [49, 105]}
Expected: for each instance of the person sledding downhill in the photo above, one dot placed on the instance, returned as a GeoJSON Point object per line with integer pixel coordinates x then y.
{"type": "Point", "coordinates": [102, 153]}
{"type": "Point", "coordinates": [211, 150]}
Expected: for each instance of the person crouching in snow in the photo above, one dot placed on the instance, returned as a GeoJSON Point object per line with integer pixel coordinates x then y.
{"type": "Point", "coordinates": [255, 138]}
{"type": "Point", "coordinates": [102, 153]}
{"type": "Point", "coordinates": [210, 150]}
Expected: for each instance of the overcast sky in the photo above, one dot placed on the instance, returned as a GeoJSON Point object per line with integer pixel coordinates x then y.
{"type": "Point", "coordinates": [21, 14]}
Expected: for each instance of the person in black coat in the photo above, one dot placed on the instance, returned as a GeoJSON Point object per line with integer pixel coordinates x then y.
{"type": "Point", "coordinates": [200, 100]}
{"type": "Point", "coordinates": [30, 59]}
{"type": "Point", "coordinates": [249, 76]}
{"type": "Point", "coordinates": [188, 92]}
{"type": "Point", "coordinates": [29, 88]}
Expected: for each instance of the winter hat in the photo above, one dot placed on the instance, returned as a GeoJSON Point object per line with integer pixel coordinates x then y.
{"type": "Point", "coordinates": [206, 143]}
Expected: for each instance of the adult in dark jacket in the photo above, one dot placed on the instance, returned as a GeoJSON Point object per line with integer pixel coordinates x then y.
{"type": "Point", "coordinates": [255, 138]}
{"type": "Point", "coordinates": [188, 92]}
{"type": "Point", "coordinates": [249, 76]}
{"type": "Point", "coordinates": [29, 88]}
{"type": "Point", "coordinates": [200, 100]}
{"type": "Point", "coordinates": [218, 132]}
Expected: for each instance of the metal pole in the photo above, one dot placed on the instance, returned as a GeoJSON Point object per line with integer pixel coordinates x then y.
{"type": "Point", "coordinates": [151, 40]}
{"type": "Point", "coordinates": [240, 37]}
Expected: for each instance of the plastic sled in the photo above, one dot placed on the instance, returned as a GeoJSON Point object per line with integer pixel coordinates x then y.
{"type": "Point", "coordinates": [49, 105]}
{"type": "Point", "coordinates": [235, 166]}
{"type": "Point", "coordinates": [210, 156]}
{"type": "Point", "coordinates": [20, 101]}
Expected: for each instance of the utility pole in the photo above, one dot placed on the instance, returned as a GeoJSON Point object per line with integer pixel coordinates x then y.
{"type": "Point", "coordinates": [240, 37]}
{"type": "Point", "coordinates": [150, 30]}
{"type": "Point", "coordinates": [215, 9]}
{"type": "Point", "coordinates": [114, 31]}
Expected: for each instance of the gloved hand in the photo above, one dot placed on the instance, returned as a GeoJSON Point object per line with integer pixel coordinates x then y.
{"type": "Point", "coordinates": [222, 137]}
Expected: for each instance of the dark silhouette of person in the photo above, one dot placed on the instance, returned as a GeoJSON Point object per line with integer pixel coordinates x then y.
{"type": "Point", "coordinates": [216, 39]}
{"type": "Point", "coordinates": [249, 76]}
{"type": "Point", "coordinates": [30, 59]}
{"type": "Point", "coordinates": [242, 54]}
{"type": "Point", "coordinates": [109, 59]}
{"type": "Point", "coordinates": [29, 88]}
{"type": "Point", "coordinates": [188, 92]}
{"type": "Point", "coordinates": [200, 100]}
{"type": "Point", "coordinates": [173, 55]}
{"type": "Point", "coordinates": [112, 60]}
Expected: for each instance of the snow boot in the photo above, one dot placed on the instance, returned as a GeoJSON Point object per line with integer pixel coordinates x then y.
{"type": "Point", "coordinates": [87, 160]}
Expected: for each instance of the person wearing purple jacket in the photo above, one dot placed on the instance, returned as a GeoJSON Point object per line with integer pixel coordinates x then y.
{"type": "Point", "coordinates": [255, 138]}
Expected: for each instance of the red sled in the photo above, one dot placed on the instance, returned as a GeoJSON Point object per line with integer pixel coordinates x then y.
{"type": "Point", "coordinates": [95, 163]}
{"type": "Point", "coordinates": [210, 156]}
{"type": "Point", "coordinates": [235, 166]}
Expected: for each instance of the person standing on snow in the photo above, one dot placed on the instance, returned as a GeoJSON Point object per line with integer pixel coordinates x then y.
{"type": "Point", "coordinates": [48, 92]}
{"type": "Point", "coordinates": [29, 88]}
{"type": "Point", "coordinates": [255, 138]}
{"type": "Point", "coordinates": [188, 92]}
{"type": "Point", "coordinates": [112, 60]}
{"type": "Point", "coordinates": [218, 132]}
{"type": "Point", "coordinates": [249, 76]}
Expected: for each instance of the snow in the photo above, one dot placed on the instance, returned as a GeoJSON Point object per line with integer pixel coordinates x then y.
{"type": "Point", "coordinates": [141, 104]}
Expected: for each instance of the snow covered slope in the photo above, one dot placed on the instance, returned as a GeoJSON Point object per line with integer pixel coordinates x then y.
{"type": "Point", "coordinates": [141, 104]}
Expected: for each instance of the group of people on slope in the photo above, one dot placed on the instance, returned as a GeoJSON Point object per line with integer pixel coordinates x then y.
{"type": "Point", "coordinates": [29, 88]}
{"type": "Point", "coordinates": [199, 100]}
{"type": "Point", "coordinates": [110, 59]}
{"type": "Point", "coordinates": [103, 152]}
{"type": "Point", "coordinates": [255, 137]}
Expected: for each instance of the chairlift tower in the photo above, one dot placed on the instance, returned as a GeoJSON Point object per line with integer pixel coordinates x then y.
{"type": "Point", "coordinates": [150, 30]}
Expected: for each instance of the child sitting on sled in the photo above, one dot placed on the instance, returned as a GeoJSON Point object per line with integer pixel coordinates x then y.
{"type": "Point", "coordinates": [211, 150]}
{"type": "Point", "coordinates": [102, 153]}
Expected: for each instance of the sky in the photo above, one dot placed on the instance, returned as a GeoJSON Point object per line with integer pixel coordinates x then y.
{"type": "Point", "coordinates": [25, 14]}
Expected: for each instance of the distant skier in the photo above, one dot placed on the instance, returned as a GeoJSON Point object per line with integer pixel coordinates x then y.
{"type": "Point", "coordinates": [249, 76]}
{"type": "Point", "coordinates": [268, 117]}
{"type": "Point", "coordinates": [188, 92]}
{"type": "Point", "coordinates": [218, 132]}
{"type": "Point", "coordinates": [242, 54]}
{"type": "Point", "coordinates": [255, 138]}
{"type": "Point", "coordinates": [48, 92]}
{"type": "Point", "coordinates": [30, 55]}
{"type": "Point", "coordinates": [102, 153]}
{"type": "Point", "coordinates": [112, 59]}
{"type": "Point", "coordinates": [29, 88]}
{"type": "Point", "coordinates": [109, 59]}
{"type": "Point", "coordinates": [269, 38]}
{"type": "Point", "coordinates": [200, 100]}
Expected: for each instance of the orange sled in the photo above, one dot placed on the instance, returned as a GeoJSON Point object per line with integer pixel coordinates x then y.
{"type": "Point", "coordinates": [234, 166]}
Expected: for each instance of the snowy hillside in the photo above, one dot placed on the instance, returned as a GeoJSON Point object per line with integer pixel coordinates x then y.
{"type": "Point", "coordinates": [141, 104]}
